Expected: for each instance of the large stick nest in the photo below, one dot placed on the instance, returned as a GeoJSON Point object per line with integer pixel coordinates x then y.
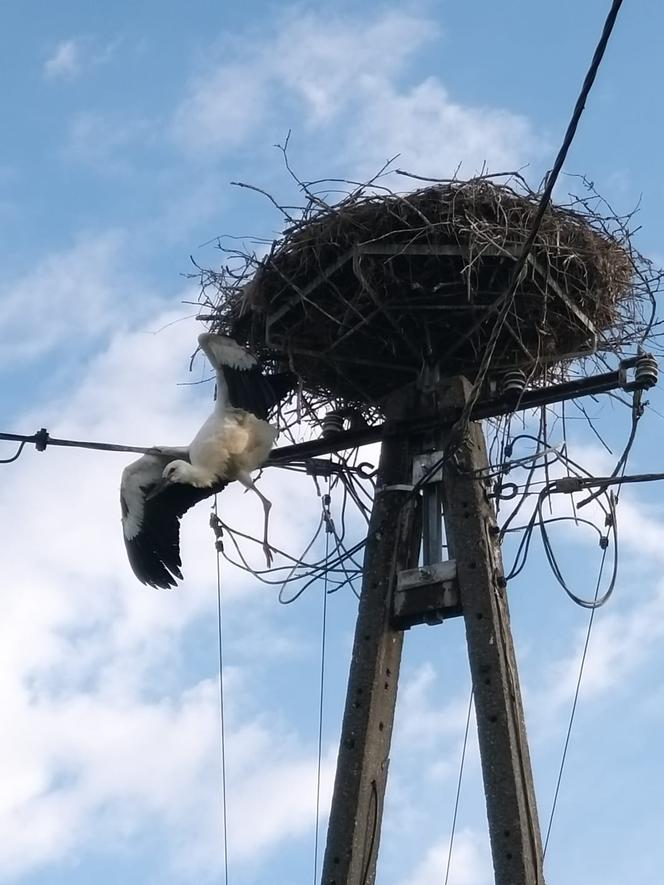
{"type": "Point", "coordinates": [359, 297]}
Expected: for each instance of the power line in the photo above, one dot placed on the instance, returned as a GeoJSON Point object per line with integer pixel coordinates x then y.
{"type": "Point", "coordinates": [41, 439]}
{"type": "Point", "coordinates": [458, 789]}
{"type": "Point", "coordinates": [216, 528]}
{"type": "Point", "coordinates": [328, 531]}
{"type": "Point", "coordinates": [612, 528]}
{"type": "Point", "coordinates": [571, 484]}
{"type": "Point", "coordinates": [593, 609]}
{"type": "Point", "coordinates": [305, 452]}
{"type": "Point", "coordinates": [504, 303]}
{"type": "Point", "coordinates": [637, 413]}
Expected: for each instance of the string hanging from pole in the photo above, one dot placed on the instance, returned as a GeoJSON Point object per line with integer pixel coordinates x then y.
{"type": "Point", "coordinates": [458, 789]}
{"type": "Point", "coordinates": [568, 735]}
{"type": "Point", "coordinates": [217, 528]}
{"type": "Point", "coordinates": [329, 529]}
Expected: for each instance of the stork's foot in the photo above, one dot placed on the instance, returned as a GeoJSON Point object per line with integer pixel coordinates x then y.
{"type": "Point", "coordinates": [268, 554]}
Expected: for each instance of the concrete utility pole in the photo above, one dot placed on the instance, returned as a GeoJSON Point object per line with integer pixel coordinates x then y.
{"type": "Point", "coordinates": [392, 545]}
{"type": "Point", "coordinates": [472, 540]}
{"type": "Point", "coordinates": [397, 594]}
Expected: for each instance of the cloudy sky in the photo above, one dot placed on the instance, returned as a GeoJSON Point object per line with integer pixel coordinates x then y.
{"type": "Point", "coordinates": [123, 126]}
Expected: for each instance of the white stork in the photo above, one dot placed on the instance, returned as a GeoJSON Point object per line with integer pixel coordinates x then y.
{"type": "Point", "coordinates": [158, 488]}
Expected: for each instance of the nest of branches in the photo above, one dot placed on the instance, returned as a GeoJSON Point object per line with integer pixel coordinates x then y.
{"type": "Point", "coordinates": [359, 297]}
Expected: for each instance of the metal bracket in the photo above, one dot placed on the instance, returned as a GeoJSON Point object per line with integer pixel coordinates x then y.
{"type": "Point", "coordinates": [423, 462]}
{"type": "Point", "coordinates": [426, 595]}
{"type": "Point", "coordinates": [646, 372]}
{"type": "Point", "coordinates": [432, 503]}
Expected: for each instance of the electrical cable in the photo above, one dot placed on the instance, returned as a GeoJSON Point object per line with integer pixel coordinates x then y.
{"type": "Point", "coordinates": [16, 455]}
{"type": "Point", "coordinates": [222, 730]}
{"type": "Point", "coordinates": [637, 413]}
{"type": "Point", "coordinates": [593, 609]}
{"type": "Point", "coordinates": [458, 789]}
{"type": "Point", "coordinates": [524, 546]}
{"type": "Point", "coordinates": [314, 569]}
{"type": "Point", "coordinates": [504, 303]}
{"type": "Point", "coordinates": [612, 527]}
{"type": "Point", "coordinates": [328, 532]}
{"type": "Point", "coordinates": [550, 519]}
{"type": "Point", "coordinates": [342, 562]}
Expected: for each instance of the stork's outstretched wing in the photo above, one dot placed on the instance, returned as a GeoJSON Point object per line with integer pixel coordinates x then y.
{"type": "Point", "coordinates": [151, 525]}
{"type": "Point", "coordinates": [240, 383]}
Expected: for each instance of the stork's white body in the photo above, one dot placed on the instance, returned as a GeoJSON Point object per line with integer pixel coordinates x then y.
{"type": "Point", "coordinates": [157, 489]}
{"type": "Point", "coordinates": [229, 445]}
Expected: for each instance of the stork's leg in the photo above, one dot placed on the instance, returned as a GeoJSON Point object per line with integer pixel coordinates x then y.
{"type": "Point", "coordinates": [248, 483]}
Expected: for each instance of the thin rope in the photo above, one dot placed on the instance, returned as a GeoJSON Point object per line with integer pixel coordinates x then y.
{"type": "Point", "coordinates": [328, 531]}
{"type": "Point", "coordinates": [458, 790]}
{"type": "Point", "coordinates": [574, 703]}
{"type": "Point", "coordinates": [222, 730]}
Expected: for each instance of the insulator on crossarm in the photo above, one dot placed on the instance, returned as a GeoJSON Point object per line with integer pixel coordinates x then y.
{"type": "Point", "coordinates": [355, 420]}
{"type": "Point", "coordinates": [333, 423]}
{"type": "Point", "coordinates": [514, 383]}
{"type": "Point", "coordinates": [646, 371]}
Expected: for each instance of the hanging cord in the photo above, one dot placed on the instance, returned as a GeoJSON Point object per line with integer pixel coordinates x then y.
{"type": "Point", "coordinates": [15, 456]}
{"type": "Point", "coordinates": [314, 570]}
{"type": "Point", "coordinates": [329, 529]}
{"type": "Point", "coordinates": [340, 567]}
{"type": "Point", "coordinates": [619, 470]}
{"type": "Point", "coordinates": [537, 519]}
{"type": "Point", "coordinates": [574, 704]}
{"type": "Point", "coordinates": [458, 789]}
{"type": "Point", "coordinates": [612, 529]}
{"type": "Point", "coordinates": [217, 528]}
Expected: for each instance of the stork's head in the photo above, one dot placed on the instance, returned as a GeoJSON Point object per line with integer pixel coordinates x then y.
{"type": "Point", "coordinates": [185, 473]}
{"type": "Point", "coordinates": [173, 472]}
{"type": "Point", "coordinates": [178, 471]}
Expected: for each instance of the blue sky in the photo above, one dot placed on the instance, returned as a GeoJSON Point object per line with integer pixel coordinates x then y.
{"type": "Point", "coordinates": [124, 125]}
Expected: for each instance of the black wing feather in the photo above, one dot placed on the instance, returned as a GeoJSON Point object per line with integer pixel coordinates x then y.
{"type": "Point", "coordinates": [254, 392]}
{"type": "Point", "coordinates": [154, 552]}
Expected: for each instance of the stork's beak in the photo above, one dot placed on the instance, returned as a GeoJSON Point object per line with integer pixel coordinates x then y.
{"type": "Point", "coordinates": [158, 488]}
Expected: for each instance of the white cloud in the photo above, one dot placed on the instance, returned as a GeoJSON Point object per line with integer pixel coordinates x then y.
{"type": "Point", "coordinates": [222, 110]}
{"type": "Point", "coordinates": [470, 865]}
{"type": "Point", "coordinates": [65, 62]}
{"type": "Point", "coordinates": [420, 721]}
{"type": "Point", "coordinates": [433, 135]}
{"type": "Point", "coordinates": [641, 527]}
{"type": "Point", "coordinates": [102, 766]}
{"type": "Point", "coordinates": [329, 62]}
{"type": "Point", "coordinates": [99, 139]}
{"type": "Point", "coordinates": [625, 635]}
{"type": "Point", "coordinates": [79, 291]}
{"type": "Point", "coordinates": [72, 56]}
{"type": "Point", "coordinates": [107, 736]}
{"type": "Point", "coordinates": [344, 76]}
{"type": "Point", "coordinates": [620, 643]}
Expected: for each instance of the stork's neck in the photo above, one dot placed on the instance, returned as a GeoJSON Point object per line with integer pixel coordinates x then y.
{"type": "Point", "coordinates": [221, 395]}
